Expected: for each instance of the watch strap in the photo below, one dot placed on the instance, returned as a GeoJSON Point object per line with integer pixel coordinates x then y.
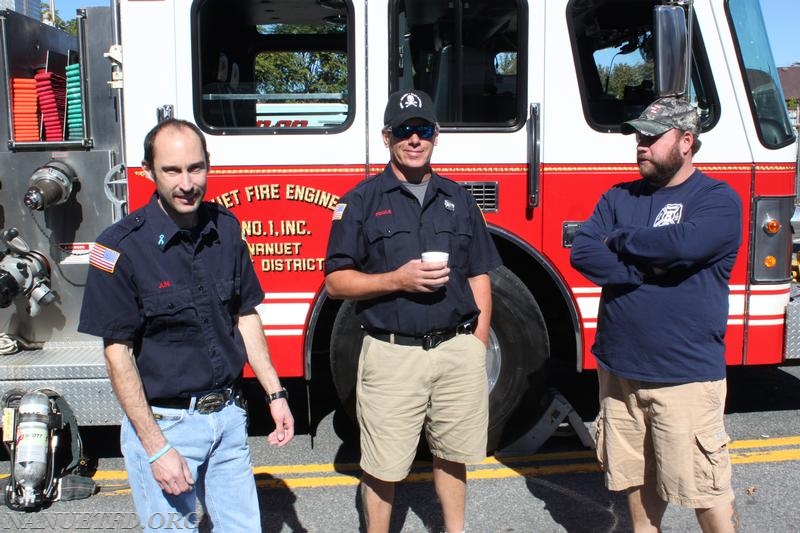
{"type": "Point", "coordinates": [283, 393]}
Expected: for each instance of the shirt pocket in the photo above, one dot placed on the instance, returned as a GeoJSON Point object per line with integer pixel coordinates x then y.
{"type": "Point", "coordinates": [391, 243]}
{"type": "Point", "coordinates": [228, 299]}
{"type": "Point", "coordinates": [453, 235]}
{"type": "Point", "coordinates": [170, 315]}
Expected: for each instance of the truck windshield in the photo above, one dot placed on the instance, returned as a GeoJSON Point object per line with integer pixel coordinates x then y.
{"type": "Point", "coordinates": [760, 74]}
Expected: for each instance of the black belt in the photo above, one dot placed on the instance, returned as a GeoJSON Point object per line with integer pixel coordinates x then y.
{"type": "Point", "coordinates": [209, 402]}
{"type": "Point", "coordinates": [426, 341]}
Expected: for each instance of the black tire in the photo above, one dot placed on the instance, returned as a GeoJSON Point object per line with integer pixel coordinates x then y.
{"type": "Point", "coordinates": [515, 361]}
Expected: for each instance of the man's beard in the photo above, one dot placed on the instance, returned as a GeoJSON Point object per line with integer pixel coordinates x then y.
{"type": "Point", "coordinates": [660, 172]}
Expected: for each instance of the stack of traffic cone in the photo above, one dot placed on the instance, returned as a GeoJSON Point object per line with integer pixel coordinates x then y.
{"type": "Point", "coordinates": [74, 109]}
{"type": "Point", "coordinates": [51, 88]}
{"type": "Point", "coordinates": [24, 112]}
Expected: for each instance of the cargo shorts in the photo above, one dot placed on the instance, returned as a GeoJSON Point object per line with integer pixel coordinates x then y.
{"type": "Point", "coordinates": [403, 389]}
{"type": "Point", "coordinates": [668, 434]}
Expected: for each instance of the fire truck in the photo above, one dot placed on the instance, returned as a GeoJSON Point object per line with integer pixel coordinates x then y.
{"type": "Point", "coordinates": [290, 94]}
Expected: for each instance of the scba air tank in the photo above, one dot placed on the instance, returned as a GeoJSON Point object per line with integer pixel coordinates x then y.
{"type": "Point", "coordinates": [32, 439]}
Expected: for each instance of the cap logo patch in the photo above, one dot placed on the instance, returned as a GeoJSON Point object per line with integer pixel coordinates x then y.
{"type": "Point", "coordinates": [410, 100]}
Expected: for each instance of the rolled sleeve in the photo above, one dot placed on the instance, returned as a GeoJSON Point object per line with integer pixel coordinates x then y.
{"type": "Point", "coordinates": [252, 293]}
{"type": "Point", "coordinates": [346, 241]}
{"type": "Point", "coordinates": [483, 255]}
{"type": "Point", "coordinates": [110, 307]}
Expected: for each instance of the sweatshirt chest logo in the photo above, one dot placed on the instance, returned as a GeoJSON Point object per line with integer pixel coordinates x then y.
{"type": "Point", "coordinates": [669, 214]}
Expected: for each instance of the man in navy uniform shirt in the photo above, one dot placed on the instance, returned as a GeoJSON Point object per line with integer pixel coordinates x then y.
{"type": "Point", "coordinates": [423, 358]}
{"type": "Point", "coordinates": [172, 291]}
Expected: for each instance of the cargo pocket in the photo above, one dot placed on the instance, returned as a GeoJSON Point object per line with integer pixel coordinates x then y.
{"type": "Point", "coordinates": [599, 439]}
{"type": "Point", "coordinates": [712, 463]}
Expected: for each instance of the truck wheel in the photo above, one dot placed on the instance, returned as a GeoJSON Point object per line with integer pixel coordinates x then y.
{"type": "Point", "coordinates": [515, 360]}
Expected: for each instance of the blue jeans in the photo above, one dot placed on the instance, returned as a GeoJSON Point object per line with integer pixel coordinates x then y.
{"type": "Point", "coordinates": [215, 448]}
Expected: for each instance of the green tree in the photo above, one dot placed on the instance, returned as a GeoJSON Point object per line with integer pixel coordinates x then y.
{"type": "Point", "coordinates": [301, 71]}
{"type": "Point", "coordinates": [69, 26]}
{"type": "Point", "coordinates": [624, 75]}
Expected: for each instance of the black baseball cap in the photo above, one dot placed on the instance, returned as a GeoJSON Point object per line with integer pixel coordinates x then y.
{"type": "Point", "coordinates": [405, 105]}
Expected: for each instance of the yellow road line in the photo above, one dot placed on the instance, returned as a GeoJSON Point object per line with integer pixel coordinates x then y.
{"type": "Point", "coordinates": [765, 443]}
{"type": "Point", "coordinates": [774, 456]}
{"type": "Point", "coordinates": [331, 475]}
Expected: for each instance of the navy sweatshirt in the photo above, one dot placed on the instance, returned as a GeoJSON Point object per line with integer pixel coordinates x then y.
{"type": "Point", "coordinates": [663, 257]}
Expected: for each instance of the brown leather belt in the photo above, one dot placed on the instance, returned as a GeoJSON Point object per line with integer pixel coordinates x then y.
{"type": "Point", "coordinates": [426, 341]}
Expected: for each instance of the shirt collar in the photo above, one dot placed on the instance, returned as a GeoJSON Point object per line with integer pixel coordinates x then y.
{"type": "Point", "coordinates": [166, 231]}
{"type": "Point", "coordinates": [389, 181]}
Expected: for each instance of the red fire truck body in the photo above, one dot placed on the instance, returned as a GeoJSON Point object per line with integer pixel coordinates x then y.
{"type": "Point", "coordinates": [291, 95]}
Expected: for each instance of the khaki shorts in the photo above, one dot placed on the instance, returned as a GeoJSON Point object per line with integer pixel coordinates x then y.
{"type": "Point", "coordinates": [402, 389]}
{"type": "Point", "coordinates": [669, 434]}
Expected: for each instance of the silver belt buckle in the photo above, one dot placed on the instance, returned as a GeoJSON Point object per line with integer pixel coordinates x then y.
{"type": "Point", "coordinates": [210, 403]}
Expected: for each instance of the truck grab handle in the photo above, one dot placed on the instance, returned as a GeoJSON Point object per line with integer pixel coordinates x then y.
{"type": "Point", "coordinates": [535, 156]}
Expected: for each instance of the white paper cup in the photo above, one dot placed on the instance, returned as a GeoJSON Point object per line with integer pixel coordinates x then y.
{"type": "Point", "coordinates": [435, 257]}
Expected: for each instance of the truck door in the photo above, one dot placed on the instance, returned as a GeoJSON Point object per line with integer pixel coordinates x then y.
{"type": "Point", "coordinates": [481, 62]}
{"type": "Point", "coordinates": [277, 88]}
{"type": "Point", "coordinates": [764, 295]}
{"type": "Point", "coordinates": [477, 60]}
{"type": "Point", "coordinates": [746, 137]}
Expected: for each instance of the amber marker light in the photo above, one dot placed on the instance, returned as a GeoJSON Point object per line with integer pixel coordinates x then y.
{"type": "Point", "coordinates": [770, 261]}
{"type": "Point", "coordinates": [772, 226]}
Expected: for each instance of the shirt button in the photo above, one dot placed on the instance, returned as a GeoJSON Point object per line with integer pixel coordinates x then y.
{"type": "Point", "coordinates": [200, 288]}
{"type": "Point", "coordinates": [170, 306]}
{"type": "Point", "coordinates": [205, 321]}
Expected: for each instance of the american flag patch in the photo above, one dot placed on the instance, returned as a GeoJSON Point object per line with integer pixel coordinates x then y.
{"type": "Point", "coordinates": [338, 211]}
{"type": "Point", "coordinates": [103, 258]}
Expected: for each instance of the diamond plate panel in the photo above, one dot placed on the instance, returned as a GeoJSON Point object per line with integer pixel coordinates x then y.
{"type": "Point", "coordinates": [57, 360]}
{"type": "Point", "coordinates": [75, 370]}
{"type": "Point", "coordinates": [92, 400]}
{"type": "Point", "coordinates": [792, 348]}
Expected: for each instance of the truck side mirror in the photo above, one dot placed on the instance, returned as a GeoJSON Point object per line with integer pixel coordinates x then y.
{"type": "Point", "coordinates": [672, 51]}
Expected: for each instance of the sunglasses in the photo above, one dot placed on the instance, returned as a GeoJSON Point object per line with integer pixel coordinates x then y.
{"type": "Point", "coordinates": [423, 131]}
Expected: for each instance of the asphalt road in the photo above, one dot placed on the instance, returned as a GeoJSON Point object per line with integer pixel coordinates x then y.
{"type": "Point", "coordinates": [311, 485]}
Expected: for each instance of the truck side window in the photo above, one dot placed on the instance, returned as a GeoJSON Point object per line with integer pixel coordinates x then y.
{"type": "Point", "coordinates": [613, 48]}
{"type": "Point", "coordinates": [761, 76]}
{"type": "Point", "coordinates": [468, 55]}
{"type": "Point", "coordinates": [273, 70]}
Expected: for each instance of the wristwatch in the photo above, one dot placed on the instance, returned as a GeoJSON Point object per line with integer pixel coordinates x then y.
{"type": "Point", "coordinates": [283, 393]}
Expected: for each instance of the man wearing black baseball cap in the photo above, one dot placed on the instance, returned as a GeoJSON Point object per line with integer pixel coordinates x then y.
{"type": "Point", "coordinates": [423, 359]}
{"type": "Point", "coordinates": [406, 105]}
{"type": "Point", "coordinates": [662, 248]}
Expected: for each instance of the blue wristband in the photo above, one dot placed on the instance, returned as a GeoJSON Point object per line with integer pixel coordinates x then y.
{"type": "Point", "coordinates": [159, 454]}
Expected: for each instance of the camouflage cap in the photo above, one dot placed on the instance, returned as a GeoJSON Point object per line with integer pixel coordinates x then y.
{"type": "Point", "coordinates": [663, 115]}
